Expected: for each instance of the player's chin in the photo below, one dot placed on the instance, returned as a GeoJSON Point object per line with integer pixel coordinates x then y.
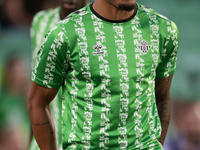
{"type": "Point", "coordinates": [127, 7]}
{"type": "Point", "coordinates": [127, 1]}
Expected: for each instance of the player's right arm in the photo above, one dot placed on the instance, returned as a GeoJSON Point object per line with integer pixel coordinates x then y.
{"type": "Point", "coordinates": [47, 77]}
{"type": "Point", "coordinates": [33, 32]}
{"type": "Point", "coordinates": [40, 115]}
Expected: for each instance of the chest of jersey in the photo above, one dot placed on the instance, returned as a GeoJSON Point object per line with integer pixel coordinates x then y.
{"type": "Point", "coordinates": [121, 52]}
{"type": "Point", "coordinates": [111, 74]}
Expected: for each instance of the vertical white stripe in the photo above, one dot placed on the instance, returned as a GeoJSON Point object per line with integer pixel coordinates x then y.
{"type": "Point", "coordinates": [137, 38]}
{"type": "Point", "coordinates": [100, 51]}
{"type": "Point", "coordinates": [85, 69]}
{"type": "Point", "coordinates": [124, 84]}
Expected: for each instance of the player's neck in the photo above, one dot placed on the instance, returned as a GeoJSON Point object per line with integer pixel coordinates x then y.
{"type": "Point", "coordinates": [111, 12]}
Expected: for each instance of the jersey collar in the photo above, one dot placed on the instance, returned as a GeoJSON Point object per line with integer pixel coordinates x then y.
{"type": "Point", "coordinates": [114, 21]}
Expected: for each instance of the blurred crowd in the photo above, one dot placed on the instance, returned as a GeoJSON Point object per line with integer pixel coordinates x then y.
{"type": "Point", "coordinates": [15, 71]}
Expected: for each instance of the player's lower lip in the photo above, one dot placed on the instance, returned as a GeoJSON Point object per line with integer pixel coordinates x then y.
{"type": "Point", "coordinates": [69, 6]}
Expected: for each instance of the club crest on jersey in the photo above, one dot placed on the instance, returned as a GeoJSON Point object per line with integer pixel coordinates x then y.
{"type": "Point", "coordinates": [144, 47]}
{"type": "Point", "coordinates": [98, 49]}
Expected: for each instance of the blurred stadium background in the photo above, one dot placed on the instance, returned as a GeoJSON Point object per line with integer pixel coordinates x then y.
{"type": "Point", "coordinates": [15, 64]}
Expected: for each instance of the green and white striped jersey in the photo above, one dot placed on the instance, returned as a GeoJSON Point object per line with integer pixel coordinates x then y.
{"type": "Point", "coordinates": [108, 70]}
{"type": "Point", "coordinates": [42, 22]}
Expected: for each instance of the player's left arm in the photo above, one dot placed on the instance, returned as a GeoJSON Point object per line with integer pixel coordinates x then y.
{"type": "Point", "coordinates": [164, 74]}
{"type": "Point", "coordinates": [162, 93]}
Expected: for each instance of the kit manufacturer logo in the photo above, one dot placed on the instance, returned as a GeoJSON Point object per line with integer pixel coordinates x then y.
{"type": "Point", "coordinates": [98, 49]}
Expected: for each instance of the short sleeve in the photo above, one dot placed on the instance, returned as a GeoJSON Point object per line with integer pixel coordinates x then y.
{"type": "Point", "coordinates": [51, 62]}
{"type": "Point", "coordinates": [167, 65]}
